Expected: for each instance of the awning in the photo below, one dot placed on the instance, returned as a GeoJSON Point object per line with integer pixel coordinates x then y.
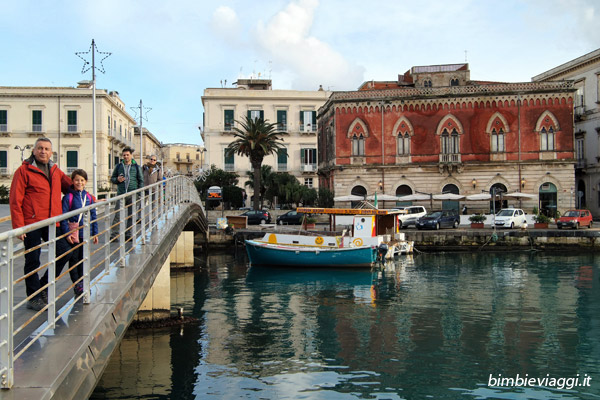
{"type": "Point", "coordinates": [383, 197]}
{"type": "Point", "coordinates": [479, 196]}
{"type": "Point", "coordinates": [414, 197]}
{"type": "Point", "coordinates": [519, 195]}
{"type": "Point", "coordinates": [350, 197]}
{"type": "Point", "coordinates": [448, 196]}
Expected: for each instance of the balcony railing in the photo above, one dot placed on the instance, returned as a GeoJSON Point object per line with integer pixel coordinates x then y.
{"type": "Point", "coordinates": [282, 167]}
{"type": "Point", "coordinates": [449, 158]}
{"type": "Point", "coordinates": [308, 127]}
{"type": "Point", "coordinates": [70, 170]}
{"type": "Point", "coordinates": [281, 127]}
{"type": "Point", "coordinates": [72, 128]}
{"type": "Point", "coordinates": [228, 126]}
{"type": "Point", "coordinates": [229, 167]}
{"type": "Point", "coordinates": [581, 163]}
{"type": "Point", "coordinates": [3, 128]}
{"type": "Point", "coordinates": [309, 167]}
{"type": "Point", "coordinates": [36, 128]}
{"type": "Point", "coordinates": [3, 171]}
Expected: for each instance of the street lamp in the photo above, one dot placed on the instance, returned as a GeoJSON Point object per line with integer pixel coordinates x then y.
{"type": "Point", "coordinates": [17, 147]}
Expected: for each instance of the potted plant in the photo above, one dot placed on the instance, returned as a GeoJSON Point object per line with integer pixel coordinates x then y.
{"type": "Point", "coordinates": [477, 220]}
{"type": "Point", "coordinates": [541, 221]}
{"type": "Point", "coordinates": [557, 216]}
{"type": "Point", "coordinates": [310, 222]}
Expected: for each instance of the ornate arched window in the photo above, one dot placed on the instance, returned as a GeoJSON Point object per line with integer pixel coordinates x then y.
{"type": "Point", "coordinates": [358, 145]}
{"type": "Point", "coordinates": [547, 126]}
{"type": "Point", "coordinates": [403, 144]}
{"type": "Point", "coordinates": [450, 142]}
{"type": "Point", "coordinates": [427, 83]}
{"type": "Point", "coordinates": [497, 140]}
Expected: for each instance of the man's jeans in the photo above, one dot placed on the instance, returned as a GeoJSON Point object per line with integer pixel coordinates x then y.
{"type": "Point", "coordinates": [32, 259]}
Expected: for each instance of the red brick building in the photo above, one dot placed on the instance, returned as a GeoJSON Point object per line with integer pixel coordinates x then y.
{"type": "Point", "coordinates": [443, 132]}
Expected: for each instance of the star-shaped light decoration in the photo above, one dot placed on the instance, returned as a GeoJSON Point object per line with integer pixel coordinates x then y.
{"type": "Point", "coordinates": [87, 65]}
{"type": "Point", "coordinates": [145, 111]}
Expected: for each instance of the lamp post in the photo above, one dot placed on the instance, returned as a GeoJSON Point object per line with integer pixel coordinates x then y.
{"type": "Point", "coordinates": [27, 147]}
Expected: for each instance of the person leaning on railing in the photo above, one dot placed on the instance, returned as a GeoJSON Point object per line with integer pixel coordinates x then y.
{"type": "Point", "coordinates": [75, 199]}
{"type": "Point", "coordinates": [35, 195]}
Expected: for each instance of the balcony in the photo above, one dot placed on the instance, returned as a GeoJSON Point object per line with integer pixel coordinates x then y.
{"type": "Point", "coordinates": [450, 158]}
{"type": "Point", "coordinates": [3, 128]}
{"type": "Point", "coordinates": [581, 163]}
{"type": "Point", "coordinates": [282, 167]}
{"type": "Point", "coordinates": [4, 171]}
{"type": "Point", "coordinates": [309, 168]}
{"type": "Point", "coordinates": [70, 170]}
{"type": "Point", "coordinates": [228, 127]}
{"type": "Point", "coordinates": [72, 130]}
{"type": "Point", "coordinates": [179, 160]}
{"type": "Point", "coordinates": [282, 128]}
{"type": "Point", "coordinates": [230, 167]}
{"type": "Point", "coordinates": [308, 128]}
{"type": "Point", "coordinates": [36, 128]}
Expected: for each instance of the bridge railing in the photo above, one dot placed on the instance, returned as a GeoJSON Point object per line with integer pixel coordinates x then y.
{"type": "Point", "coordinates": [123, 222]}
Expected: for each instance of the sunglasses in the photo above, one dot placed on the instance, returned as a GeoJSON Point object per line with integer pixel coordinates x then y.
{"type": "Point", "coordinates": [153, 159]}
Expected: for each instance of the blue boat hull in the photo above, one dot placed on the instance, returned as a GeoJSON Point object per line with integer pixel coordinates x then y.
{"type": "Point", "coordinates": [280, 255]}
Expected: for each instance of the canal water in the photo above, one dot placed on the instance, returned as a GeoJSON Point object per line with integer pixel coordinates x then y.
{"type": "Point", "coordinates": [441, 326]}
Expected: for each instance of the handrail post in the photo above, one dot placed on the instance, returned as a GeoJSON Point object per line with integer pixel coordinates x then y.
{"type": "Point", "coordinates": [122, 224]}
{"type": "Point", "coordinates": [143, 199]}
{"type": "Point", "coordinates": [6, 314]}
{"type": "Point", "coordinates": [51, 311]}
{"type": "Point", "coordinates": [107, 224]}
{"type": "Point", "coordinates": [87, 225]}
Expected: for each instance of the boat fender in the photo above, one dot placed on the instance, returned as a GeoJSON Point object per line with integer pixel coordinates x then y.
{"type": "Point", "coordinates": [382, 251]}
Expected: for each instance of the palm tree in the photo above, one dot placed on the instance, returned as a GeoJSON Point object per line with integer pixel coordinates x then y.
{"type": "Point", "coordinates": [266, 181]}
{"type": "Point", "coordinates": [255, 139]}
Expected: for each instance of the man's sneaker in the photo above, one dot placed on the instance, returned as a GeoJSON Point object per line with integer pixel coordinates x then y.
{"type": "Point", "coordinates": [44, 296]}
{"type": "Point", "coordinates": [78, 289]}
{"type": "Point", "coordinates": [36, 304]}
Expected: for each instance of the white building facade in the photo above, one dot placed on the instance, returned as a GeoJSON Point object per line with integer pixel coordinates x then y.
{"type": "Point", "coordinates": [584, 71]}
{"type": "Point", "coordinates": [63, 115]}
{"type": "Point", "coordinates": [294, 112]}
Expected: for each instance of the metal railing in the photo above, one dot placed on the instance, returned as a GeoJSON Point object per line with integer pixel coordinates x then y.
{"type": "Point", "coordinates": [150, 207]}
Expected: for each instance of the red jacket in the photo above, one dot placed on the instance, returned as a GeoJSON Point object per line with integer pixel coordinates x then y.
{"type": "Point", "coordinates": [34, 197]}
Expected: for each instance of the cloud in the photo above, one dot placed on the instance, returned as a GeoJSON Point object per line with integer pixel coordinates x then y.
{"type": "Point", "coordinates": [286, 40]}
{"type": "Point", "coordinates": [226, 23]}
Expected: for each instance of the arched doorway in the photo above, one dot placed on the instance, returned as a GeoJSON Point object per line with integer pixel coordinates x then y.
{"type": "Point", "coordinates": [403, 190]}
{"type": "Point", "coordinates": [358, 190]}
{"type": "Point", "coordinates": [548, 197]}
{"type": "Point", "coordinates": [580, 195]}
{"type": "Point", "coordinates": [497, 202]}
{"type": "Point", "coordinates": [450, 204]}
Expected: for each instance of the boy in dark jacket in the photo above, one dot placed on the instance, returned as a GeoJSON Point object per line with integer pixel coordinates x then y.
{"type": "Point", "coordinates": [78, 198]}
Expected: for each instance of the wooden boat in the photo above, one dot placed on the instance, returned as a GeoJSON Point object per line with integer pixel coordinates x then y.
{"type": "Point", "coordinates": [290, 255]}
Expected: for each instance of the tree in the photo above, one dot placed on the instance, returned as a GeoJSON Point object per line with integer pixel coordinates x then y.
{"type": "Point", "coordinates": [267, 177]}
{"type": "Point", "coordinates": [217, 177]}
{"type": "Point", "coordinates": [255, 139]}
{"type": "Point", "coordinates": [325, 199]}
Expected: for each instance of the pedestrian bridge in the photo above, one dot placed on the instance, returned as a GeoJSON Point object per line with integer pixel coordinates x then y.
{"type": "Point", "coordinates": [61, 351]}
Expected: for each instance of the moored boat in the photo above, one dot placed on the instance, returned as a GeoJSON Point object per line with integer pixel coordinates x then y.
{"type": "Point", "coordinates": [297, 255]}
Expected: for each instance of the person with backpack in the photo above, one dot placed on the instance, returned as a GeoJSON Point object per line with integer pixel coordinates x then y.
{"type": "Point", "coordinates": [128, 177]}
{"type": "Point", "coordinates": [77, 198]}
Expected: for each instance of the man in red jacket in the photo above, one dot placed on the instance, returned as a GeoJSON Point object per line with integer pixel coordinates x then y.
{"type": "Point", "coordinates": [35, 195]}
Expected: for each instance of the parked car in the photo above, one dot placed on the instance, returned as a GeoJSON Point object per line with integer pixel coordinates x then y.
{"type": "Point", "coordinates": [510, 218]}
{"type": "Point", "coordinates": [439, 219]}
{"type": "Point", "coordinates": [413, 213]}
{"type": "Point", "coordinates": [574, 219]}
{"type": "Point", "coordinates": [257, 217]}
{"type": "Point", "coordinates": [290, 218]}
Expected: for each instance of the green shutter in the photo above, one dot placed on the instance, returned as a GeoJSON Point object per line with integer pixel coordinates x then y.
{"type": "Point", "coordinates": [71, 159]}
{"type": "Point", "coordinates": [301, 117]}
{"type": "Point", "coordinates": [249, 114]}
{"type": "Point", "coordinates": [37, 117]}
{"type": "Point", "coordinates": [302, 157]}
{"type": "Point", "coordinates": [72, 117]}
{"type": "Point", "coordinates": [314, 119]}
{"type": "Point", "coordinates": [282, 156]}
{"type": "Point", "coordinates": [3, 159]}
{"type": "Point", "coordinates": [262, 115]}
{"type": "Point", "coordinates": [281, 117]}
{"type": "Point", "coordinates": [228, 119]}
{"type": "Point", "coordinates": [3, 117]}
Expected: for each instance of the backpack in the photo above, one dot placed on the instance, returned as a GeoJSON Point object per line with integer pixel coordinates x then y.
{"type": "Point", "coordinates": [89, 199]}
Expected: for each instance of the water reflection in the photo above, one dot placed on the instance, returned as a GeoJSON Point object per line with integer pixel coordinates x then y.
{"type": "Point", "coordinates": [432, 325]}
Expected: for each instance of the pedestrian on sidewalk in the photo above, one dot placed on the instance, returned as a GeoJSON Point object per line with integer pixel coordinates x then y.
{"type": "Point", "coordinates": [35, 194]}
{"type": "Point", "coordinates": [77, 198]}
{"type": "Point", "coordinates": [128, 177]}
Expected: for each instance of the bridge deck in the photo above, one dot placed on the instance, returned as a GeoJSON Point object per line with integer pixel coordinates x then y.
{"type": "Point", "coordinates": [67, 362]}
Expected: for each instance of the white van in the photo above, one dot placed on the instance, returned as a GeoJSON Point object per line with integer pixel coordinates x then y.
{"type": "Point", "coordinates": [413, 213]}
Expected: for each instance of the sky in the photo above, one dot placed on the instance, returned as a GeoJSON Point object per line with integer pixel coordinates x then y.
{"type": "Point", "coordinates": [165, 53]}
